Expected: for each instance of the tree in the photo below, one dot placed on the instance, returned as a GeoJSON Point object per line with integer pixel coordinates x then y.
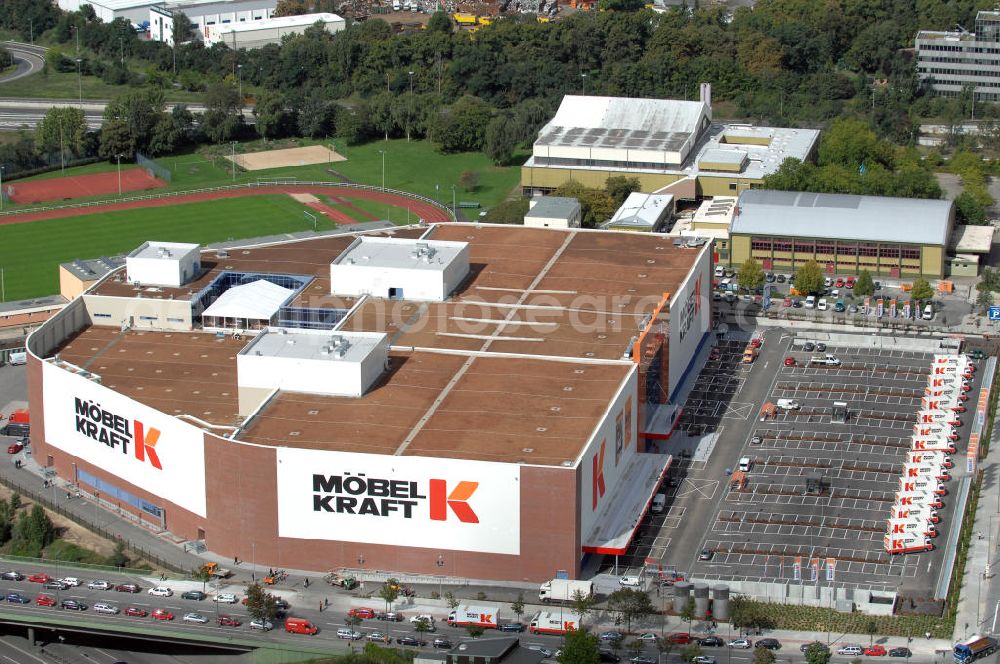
{"type": "Point", "coordinates": [763, 656]}
{"type": "Point", "coordinates": [62, 128]}
{"type": "Point", "coordinates": [619, 187]}
{"type": "Point", "coordinates": [462, 126]}
{"type": "Point", "coordinates": [691, 651]}
{"type": "Point", "coordinates": [183, 28]}
{"type": "Point", "coordinates": [468, 180]}
{"type": "Point", "coordinates": [223, 118]}
{"type": "Point", "coordinates": [6, 59]}
{"type": "Point", "coordinates": [202, 574]}
{"type": "Point", "coordinates": [451, 600]}
{"type": "Point", "coordinates": [440, 22]}
{"type": "Point", "coordinates": [984, 298]}
{"type": "Point", "coordinates": [864, 285]}
{"type": "Point", "coordinates": [119, 558]}
{"type": "Point", "coordinates": [816, 653]}
{"type": "Point", "coordinates": [969, 210]}
{"type": "Point", "coordinates": [116, 139]}
{"type": "Point", "coordinates": [389, 592]}
{"type": "Point", "coordinates": [501, 139]}
{"type": "Point", "coordinates": [273, 118]}
{"type": "Point", "coordinates": [921, 290]}
{"type": "Point", "coordinates": [751, 275]}
{"type": "Point", "coordinates": [871, 628]}
{"type": "Point", "coordinates": [579, 647]}
{"type": "Point", "coordinates": [582, 603]}
{"type": "Point", "coordinates": [291, 8]}
{"type": "Point", "coordinates": [508, 212]}
{"type": "Point", "coordinates": [421, 627]}
{"type": "Point", "coordinates": [165, 137]}
{"type": "Point", "coordinates": [664, 647]}
{"type": "Point", "coordinates": [688, 612]}
{"type": "Point", "coordinates": [809, 278]}
{"type": "Point", "coordinates": [474, 631]}
{"type": "Point", "coordinates": [15, 502]}
{"type": "Point", "coordinates": [261, 605]}
{"type": "Point", "coordinates": [635, 647]}
{"type": "Point", "coordinates": [631, 604]}
{"type": "Point", "coordinates": [517, 606]}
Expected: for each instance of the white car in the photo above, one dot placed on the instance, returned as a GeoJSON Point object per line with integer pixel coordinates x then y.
{"type": "Point", "coordinates": [810, 302]}
{"type": "Point", "coordinates": [261, 624]}
{"type": "Point", "coordinates": [423, 617]}
{"type": "Point", "coordinates": [649, 636]}
{"type": "Point", "coordinates": [71, 581]}
{"type": "Point", "coordinates": [195, 618]}
{"type": "Point", "coordinates": [99, 585]}
{"type": "Point", "coordinates": [822, 305]}
{"type": "Point", "coordinates": [630, 582]}
{"type": "Point", "coordinates": [160, 591]}
{"type": "Point", "coordinates": [226, 598]}
{"type": "Point", "coordinates": [101, 607]}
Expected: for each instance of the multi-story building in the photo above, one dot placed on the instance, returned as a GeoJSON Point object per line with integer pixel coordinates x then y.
{"type": "Point", "coordinates": [204, 15]}
{"type": "Point", "coordinates": [952, 60]}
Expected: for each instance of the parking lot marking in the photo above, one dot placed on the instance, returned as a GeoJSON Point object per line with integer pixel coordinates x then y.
{"type": "Point", "coordinates": [704, 489]}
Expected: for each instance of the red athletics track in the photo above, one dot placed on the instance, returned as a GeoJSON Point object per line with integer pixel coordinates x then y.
{"type": "Point", "coordinates": [80, 186]}
{"type": "Point", "coordinates": [425, 211]}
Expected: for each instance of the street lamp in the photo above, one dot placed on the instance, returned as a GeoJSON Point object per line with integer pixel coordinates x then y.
{"type": "Point", "coordinates": [239, 71]}
{"type": "Point", "coordinates": [79, 78]}
{"type": "Point", "coordinates": [234, 161]}
{"type": "Point", "coordinates": [454, 207]}
{"type": "Point", "coordinates": [583, 75]}
{"type": "Point", "coordinates": [76, 31]}
{"type": "Point", "coordinates": [382, 152]}
{"type": "Point", "coordinates": [119, 158]}
{"type": "Point", "coordinates": [1, 187]}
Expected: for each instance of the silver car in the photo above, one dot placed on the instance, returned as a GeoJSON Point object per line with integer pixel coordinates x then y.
{"type": "Point", "coordinates": [195, 618]}
{"type": "Point", "coordinates": [261, 624]}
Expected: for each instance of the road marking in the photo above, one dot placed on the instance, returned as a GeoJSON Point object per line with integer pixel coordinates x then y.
{"type": "Point", "coordinates": [23, 652]}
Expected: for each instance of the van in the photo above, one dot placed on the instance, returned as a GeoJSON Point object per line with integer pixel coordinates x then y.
{"type": "Point", "coordinates": [396, 5]}
{"type": "Point", "coordinates": [300, 626]}
{"type": "Point", "coordinates": [720, 271]}
{"type": "Point", "coordinates": [928, 312]}
{"type": "Point", "coordinates": [810, 302]}
{"type": "Point", "coordinates": [659, 502]}
{"type": "Point", "coordinates": [20, 357]}
{"type": "Point", "coordinates": [788, 404]}
{"type": "Point", "coordinates": [746, 463]}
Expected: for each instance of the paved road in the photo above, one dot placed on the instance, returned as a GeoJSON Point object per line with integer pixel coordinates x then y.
{"type": "Point", "coordinates": [29, 60]}
{"type": "Point", "coordinates": [16, 113]}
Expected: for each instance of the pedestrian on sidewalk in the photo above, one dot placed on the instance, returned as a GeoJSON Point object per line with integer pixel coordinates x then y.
{"type": "Point", "coordinates": [321, 607]}
{"type": "Point", "coordinates": [327, 601]}
{"type": "Point", "coordinates": [306, 584]}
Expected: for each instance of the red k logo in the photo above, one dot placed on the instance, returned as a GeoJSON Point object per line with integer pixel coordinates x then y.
{"type": "Point", "coordinates": [912, 472]}
{"type": "Point", "coordinates": [457, 500]}
{"type": "Point", "coordinates": [145, 444]}
{"type": "Point", "coordinates": [598, 477]}
{"type": "Point", "coordinates": [898, 529]}
{"type": "Point", "coordinates": [906, 501]}
{"type": "Point", "coordinates": [909, 486]}
{"type": "Point", "coordinates": [697, 295]}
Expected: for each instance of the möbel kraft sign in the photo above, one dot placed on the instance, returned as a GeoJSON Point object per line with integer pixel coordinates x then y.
{"type": "Point", "coordinates": [414, 501]}
{"type": "Point", "coordinates": [144, 447]}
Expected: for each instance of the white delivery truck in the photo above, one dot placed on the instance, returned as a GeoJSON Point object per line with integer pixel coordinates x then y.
{"type": "Point", "coordinates": [907, 543]}
{"type": "Point", "coordinates": [914, 526]}
{"type": "Point", "coordinates": [558, 622]}
{"type": "Point", "coordinates": [932, 444]}
{"type": "Point", "coordinates": [468, 615]}
{"type": "Point", "coordinates": [925, 512]}
{"type": "Point", "coordinates": [925, 469]}
{"type": "Point", "coordinates": [922, 484]}
{"type": "Point", "coordinates": [918, 499]}
{"type": "Point", "coordinates": [939, 458]}
{"type": "Point", "coordinates": [564, 590]}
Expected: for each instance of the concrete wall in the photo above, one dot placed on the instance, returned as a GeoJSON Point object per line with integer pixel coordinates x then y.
{"type": "Point", "coordinates": [844, 599]}
{"type": "Point", "coordinates": [721, 185]}
{"type": "Point", "coordinates": [149, 313]}
{"type": "Point", "coordinates": [63, 325]}
{"type": "Point", "coordinates": [551, 178]}
{"type": "Point", "coordinates": [70, 285]}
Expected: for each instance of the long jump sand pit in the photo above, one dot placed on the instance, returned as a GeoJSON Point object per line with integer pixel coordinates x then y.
{"type": "Point", "coordinates": [307, 156]}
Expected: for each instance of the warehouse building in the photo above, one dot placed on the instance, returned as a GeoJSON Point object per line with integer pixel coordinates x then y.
{"type": "Point", "coordinates": [466, 399]}
{"type": "Point", "coordinates": [204, 14]}
{"type": "Point", "coordinates": [952, 60]}
{"type": "Point", "coordinates": [268, 31]}
{"type": "Point", "coordinates": [895, 237]}
{"type": "Point", "coordinates": [666, 144]}
{"type": "Point", "coordinates": [553, 212]}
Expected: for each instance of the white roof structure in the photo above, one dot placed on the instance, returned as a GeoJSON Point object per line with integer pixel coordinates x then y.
{"type": "Point", "coordinates": [843, 216]}
{"type": "Point", "coordinates": [258, 300]}
{"type": "Point", "coordinates": [298, 21]}
{"type": "Point", "coordinates": [163, 250]}
{"type": "Point", "coordinates": [972, 239]}
{"type": "Point", "coordinates": [642, 211]}
{"type": "Point", "coordinates": [387, 252]}
{"type": "Point", "coordinates": [315, 345]}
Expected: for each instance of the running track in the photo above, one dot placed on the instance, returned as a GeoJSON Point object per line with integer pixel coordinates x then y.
{"type": "Point", "coordinates": [425, 211]}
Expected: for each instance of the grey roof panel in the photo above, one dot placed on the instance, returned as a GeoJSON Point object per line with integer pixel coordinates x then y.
{"type": "Point", "coordinates": [864, 218]}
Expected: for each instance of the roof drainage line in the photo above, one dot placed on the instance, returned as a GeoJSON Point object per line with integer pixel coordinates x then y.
{"type": "Point", "coordinates": [108, 346]}
{"type": "Point", "coordinates": [418, 427]}
{"type": "Point", "coordinates": [417, 315]}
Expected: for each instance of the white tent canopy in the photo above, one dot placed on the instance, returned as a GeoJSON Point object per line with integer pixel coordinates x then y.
{"type": "Point", "coordinates": [258, 300]}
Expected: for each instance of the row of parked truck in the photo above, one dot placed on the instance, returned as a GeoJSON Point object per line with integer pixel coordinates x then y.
{"type": "Point", "coordinates": [912, 522]}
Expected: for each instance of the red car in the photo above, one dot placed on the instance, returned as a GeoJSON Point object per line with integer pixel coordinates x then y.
{"type": "Point", "coordinates": [229, 621]}
{"type": "Point", "coordinates": [14, 448]}
{"type": "Point", "coordinates": [136, 612]}
{"type": "Point", "coordinates": [162, 614]}
{"type": "Point", "coordinates": [756, 342]}
{"type": "Point", "coordinates": [680, 638]}
{"type": "Point", "coordinates": [875, 651]}
{"type": "Point", "coordinates": [45, 600]}
{"type": "Point", "coordinates": [839, 283]}
{"type": "Point", "coordinates": [850, 282]}
{"type": "Point", "coordinates": [40, 578]}
{"type": "Point", "coordinates": [362, 612]}
{"type": "Point", "coordinates": [789, 361]}
{"type": "Point", "coordinates": [127, 588]}
{"type": "Point", "coordinates": [958, 409]}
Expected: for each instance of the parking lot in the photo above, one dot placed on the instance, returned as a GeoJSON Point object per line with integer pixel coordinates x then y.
{"type": "Point", "coordinates": [819, 492]}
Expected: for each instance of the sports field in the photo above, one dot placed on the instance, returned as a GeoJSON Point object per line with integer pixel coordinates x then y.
{"type": "Point", "coordinates": [35, 249]}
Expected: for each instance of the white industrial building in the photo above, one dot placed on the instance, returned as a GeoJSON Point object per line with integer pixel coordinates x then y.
{"type": "Point", "coordinates": [163, 264]}
{"type": "Point", "coordinates": [397, 268]}
{"type": "Point", "coordinates": [268, 31]}
{"type": "Point", "coordinates": [553, 212]}
{"type": "Point", "coordinates": [204, 13]}
{"type": "Point", "coordinates": [643, 212]}
{"type": "Point", "coordinates": [139, 12]}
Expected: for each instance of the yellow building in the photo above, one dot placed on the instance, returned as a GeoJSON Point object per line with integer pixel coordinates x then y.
{"type": "Point", "coordinates": [894, 237]}
{"type": "Point", "coordinates": [661, 142]}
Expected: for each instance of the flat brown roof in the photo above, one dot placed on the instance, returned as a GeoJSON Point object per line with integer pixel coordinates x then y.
{"type": "Point", "coordinates": [518, 366]}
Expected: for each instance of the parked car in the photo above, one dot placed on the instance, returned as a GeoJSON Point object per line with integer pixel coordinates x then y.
{"type": "Point", "coordinates": [545, 651]}
{"type": "Point", "coordinates": [261, 624]}
{"type": "Point", "coordinates": [99, 584]}
{"type": "Point", "coordinates": [741, 643]}
{"type": "Point", "coordinates": [361, 612]}
{"type": "Point", "coordinates": [711, 642]}
{"type": "Point", "coordinates": [608, 657]}
{"type": "Point", "coordinates": [71, 581]}
{"type": "Point", "coordinates": [706, 554]}
{"type": "Point", "coordinates": [789, 361]}
{"type": "Point", "coordinates": [441, 642]}
{"type": "Point", "coordinates": [819, 644]}
{"type": "Point", "coordinates": [55, 584]}
{"type": "Point", "coordinates": [822, 304]}
{"type": "Point", "coordinates": [73, 605]}
{"type": "Point", "coordinates": [851, 650]}
{"type": "Point", "coordinates": [162, 614]}
{"type": "Point", "coordinates": [40, 578]}
{"type": "Point", "coordinates": [348, 633]}
{"type": "Point", "coordinates": [127, 587]}
{"type": "Point", "coordinates": [14, 448]}
{"type": "Point", "coordinates": [756, 440]}
{"type": "Point", "coordinates": [11, 575]}
{"type": "Point", "coordinates": [900, 652]}
{"type": "Point", "coordinates": [850, 282]}
{"type": "Point", "coordinates": [809, 346]}
{"type": "Point", "coordinates": [511, 627]}
{"type": "Point", "coordinates": [45, 600]}
{"type": "Point", "coordinates": [611, 636]}
{"type": "Point", "coordinates": [376, 636]}
{"type": "Point", "coordinates": [18, 598]}
{"type": "Point", "coordinates": [104, 607]}
{"type": "Point", "coordinates": [680, 638]}
{"type": "Point", "coordinates": [195, 618]}
{"type": "Point", "coordinates": [820, 347]}
{"type": "Point", "coordinates": [136, 612]}
{"type": "Point", "coordinates": [643, 659]}
{"type": "Point", "coordinates": [630, 582]}
{"type": "Point", "coordinates": [876, 650]}
{"type": "Point", "coordinates": [648, 637]}
{"type": "Point", "coordinates": [410, 641]}
{"type": "Point", "coordinates": [160, 591]}
{"type": "Point", "coordinates": [228, 621]}
{"type": "Point", "coordinates": [193, 594]}
{"type": "Point", "coordinates": [770, 644]}
{"type": "Point", "coordinates": [225, 598]}
{"type": "Point", "coordinates": [704, 659]}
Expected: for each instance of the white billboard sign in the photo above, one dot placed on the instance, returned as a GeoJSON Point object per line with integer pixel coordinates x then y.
{"type": "Point", "coordinates": [399, 500]}
{"type": "Point", "coordinates": [142, 446]}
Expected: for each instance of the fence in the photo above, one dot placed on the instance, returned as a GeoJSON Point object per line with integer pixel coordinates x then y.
{"type": "Point", "coordinates": [228, 187]}
{"type": "Point", "coordinates": [42, 500]}
{"type": "Point", "coordinates": [153, 168]}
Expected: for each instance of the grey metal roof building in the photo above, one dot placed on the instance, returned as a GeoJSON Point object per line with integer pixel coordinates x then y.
{"type": "Point", "coordinates": [953, 59]}
{"type": "Point", "coordinates": [844, 216]}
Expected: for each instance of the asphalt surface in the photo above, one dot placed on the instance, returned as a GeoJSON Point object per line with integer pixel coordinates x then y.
{"type": "Point", "coordinates": [17, 113]}
{"type": "Point", "coordinates": [29, 60]}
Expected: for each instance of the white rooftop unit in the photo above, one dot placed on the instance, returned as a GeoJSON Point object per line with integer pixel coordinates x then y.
{"type": "Point", "coordinates": [258, 300]}
{"type": "Point", "coordinates": [313, 361]}
{"type": "Point", "coordinates": [163, 263]}
{"type": "Point", "coordinates": [398, 268]}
